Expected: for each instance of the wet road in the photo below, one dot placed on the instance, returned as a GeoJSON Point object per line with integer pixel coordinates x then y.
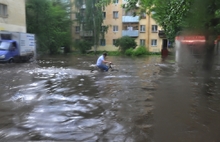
{"type": "Point", "coordinates": [145, 99]}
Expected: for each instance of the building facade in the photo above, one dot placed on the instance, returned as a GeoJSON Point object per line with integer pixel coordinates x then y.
{"type": "Point", "coordinates": [120, 23]}
{"type": "Point", "coordinates": [12, 15]}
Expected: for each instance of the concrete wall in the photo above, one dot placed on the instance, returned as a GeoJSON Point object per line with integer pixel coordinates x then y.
{"type": "Point", "coordinates": [16, 19]}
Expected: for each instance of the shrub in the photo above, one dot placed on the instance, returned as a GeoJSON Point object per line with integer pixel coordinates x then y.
{"type": "Point", "coordinates": [113, 53]}
{"type": "Point", "coordinates": [140, 51]}
{"type": "Point", "coordinates": [129, 52]}
{"type": "Point", "coordinates": [125, 43]}
{"type": "Point", "coordinates": [83, 46]}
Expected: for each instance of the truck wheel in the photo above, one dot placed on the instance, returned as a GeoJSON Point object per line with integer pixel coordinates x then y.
{"type": "Point", "coordinates": [11, 61]}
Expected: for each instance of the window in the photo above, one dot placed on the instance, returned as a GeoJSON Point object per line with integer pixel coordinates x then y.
{"type": "Point", "coordinates": [104, 15]}
{"type": "Point", "coordinates": [3, 10]}
{"type": "Point", "coordinates": [77, 40]}
{"type": "Point", "coordinates": [128, 13]}
{"type": "Point", "coordinates": [115, 14]}
{"type": "Point", "coordinates": [129, 28]}
{"type": "Point", "coordinates": [115, 28]}
{"type": "Point", "coordinates": [143, 15]}
{"type": "Point", "coordinates": [153, 12]}
{"type": "Point", "coordinates": [102, 42]}
{"type": "Point", "coordinates": [115, 1]}
{"type": "Point", "coordinates": [77, 29]}
{"type": "Point", "coordinates": [142, 42]}
{"type": "Point", "coordinates": [154, 28]}
{"type": "Point", "coordinates": [125, 1]}
{"type": "Point", "coordinates": [104, 28]}
{"type": "Point", "coordinates": [169, 43]}
{"type": "Point", "coordinates": [153, 42]}
{"type": "Point", "coordinates": [142, 28]}
{"type": "Point", "coordinates": [77, 15]}
{"type": "Point", "coordinates": [114, 41]}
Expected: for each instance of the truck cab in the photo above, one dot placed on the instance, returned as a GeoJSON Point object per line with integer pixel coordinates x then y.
{"type": "Point", "coordinates": [8, 51]}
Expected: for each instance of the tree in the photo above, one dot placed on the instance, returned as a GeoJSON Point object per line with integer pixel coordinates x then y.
{"type": "Point", "coordinates": [91, 21]}
{"type": "Point", "coordinates": [125, 43]}
{"type": "Point", "coordinates": [83, 45]}
{"type": "Point", "coordinates": [94, 20]}
{"type": "Point", "coordinates": [205, 18]}
{"type": "Point", "coordinates": [200, 16]}
{"type": "Point", "coordinates": [176, 15]}
{"type": "Point", "coordinates": [170, 14]}
{"type": "Point", "coordinates": [103, 3]}
{"type": "Point", "coordinates": [50, 22]}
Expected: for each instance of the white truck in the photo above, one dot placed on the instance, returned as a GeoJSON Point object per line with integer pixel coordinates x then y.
{"type": "Point", "coordinates": [16, 46]}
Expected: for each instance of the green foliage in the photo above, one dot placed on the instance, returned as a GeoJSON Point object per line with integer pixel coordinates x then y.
{"type": "Point", "coordinates": [175, 15]}
{"type": "Point", "coordinates": [204, 17]}
{"type": "Point", "coordinates": [141, 50]}
{"type": "Point", "coordinates": [129, 52]}
{"type": "Point", "coordinates": [125, 43]}
{"type": "Point", "coordinates": [170, 14]}
{"type": "Point", "coordinates": [50, 21]}
{"type": "Point", "coordinates": [139, 7]}
{"type": "Point", "coordinates": [83, 46]}
{"type": "Point", "coordinates": [103, 3]}
{"type": "Point", "coordinates": [217, 15]}
{"type": "Point", "coordinates": [114, 53]}
{"type": "Point", "coordinates": [91, 21]}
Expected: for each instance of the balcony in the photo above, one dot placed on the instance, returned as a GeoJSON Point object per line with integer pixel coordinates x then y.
{"type": "Point", "coordinates": [86, 33]}
{"type": "Point", "coordinates": [130, 19]}
{"type": "Point", "coordinates": [130, 33]}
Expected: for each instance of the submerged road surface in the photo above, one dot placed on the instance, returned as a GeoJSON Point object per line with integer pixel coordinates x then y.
{"type": "Point", "coordinates": [144, 100]}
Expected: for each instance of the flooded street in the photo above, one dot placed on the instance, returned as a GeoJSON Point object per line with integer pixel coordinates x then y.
{"type": "Point", "coordinates": [57, 98]}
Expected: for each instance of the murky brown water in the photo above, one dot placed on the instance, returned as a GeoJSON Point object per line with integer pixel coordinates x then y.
{"type": "Point", "coordinates": [57, 98]}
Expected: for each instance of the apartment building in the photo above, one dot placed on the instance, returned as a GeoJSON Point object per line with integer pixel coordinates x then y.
{"type": "Point", "coordinates": [12, 15]}
{"type": "Point", "coordinates": [142, 28]}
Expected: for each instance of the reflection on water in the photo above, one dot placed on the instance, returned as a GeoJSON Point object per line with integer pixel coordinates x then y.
{"type": "Point", "coordinates": [58, 98]}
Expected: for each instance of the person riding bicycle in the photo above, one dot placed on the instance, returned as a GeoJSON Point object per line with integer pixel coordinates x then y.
{"type": "Point", "coordinates": [101, 62]}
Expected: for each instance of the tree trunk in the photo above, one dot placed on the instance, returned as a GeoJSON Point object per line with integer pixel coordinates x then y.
{"type": "Point", "coordinates": [94, 30]}
{"type": "Point", "coordinates": [209, 56]}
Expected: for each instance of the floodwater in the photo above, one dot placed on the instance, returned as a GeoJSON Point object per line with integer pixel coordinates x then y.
{"type": "Point", "coordinates": [57, 98]}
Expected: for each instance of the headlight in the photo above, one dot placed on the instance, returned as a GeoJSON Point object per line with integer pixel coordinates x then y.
{"type": "Point", "coordinates": [2, 56]}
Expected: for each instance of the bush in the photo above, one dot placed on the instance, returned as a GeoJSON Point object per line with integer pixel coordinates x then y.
{"type": "Point", "coordinates": [113, 53]}
{"type": "Point", "coordinates": [125, 43]}
{"type": "Point", "coordinates": [83, 46]}
{"type": "Point", "coordinates": [137, 52]}
{"type": "Point", "coordinates": [129, 52]}
{"type": "Point", "coordinates": [140, 51]}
